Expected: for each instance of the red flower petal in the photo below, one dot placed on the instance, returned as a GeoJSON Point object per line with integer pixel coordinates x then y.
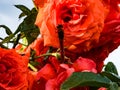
{"type": "Point", "coordinates": [84, 64]}
{"type": "Point", "coordinates": [47, 72]}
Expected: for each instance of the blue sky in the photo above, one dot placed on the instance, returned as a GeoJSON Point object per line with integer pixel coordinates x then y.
{"type": "Point", "coordinates": [9, 17]}
{"type": "Point", "coordinates": [9, 14]}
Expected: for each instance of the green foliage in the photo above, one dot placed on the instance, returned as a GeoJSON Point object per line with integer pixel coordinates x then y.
{"type": "Point", "coordinates": [7, 39]}
{"type": "Point", "coordinates": [113, 77]}
{"type": "Point", "coordinates": [107, 78]}
{"type": "Point", "coordinates": [110, 67]}
{"type": "Point", "coordinates": [113, 86]}
{"type": "Point", "coordinates": [85, 79]}
{"type": "Point", "coordinates": [111, 73]}
{"type": "Point", "coordinates": [26, 29]}
{"type": "Point", "coordinates": [8, 31]}
{"type": "Point", "coordinates": [24, 9]}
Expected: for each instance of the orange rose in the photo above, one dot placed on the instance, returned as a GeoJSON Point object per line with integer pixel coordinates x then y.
{"type": "Point", "coordinates": [82, 21]}
{"type": "Point", "coordinates": [13, 70]}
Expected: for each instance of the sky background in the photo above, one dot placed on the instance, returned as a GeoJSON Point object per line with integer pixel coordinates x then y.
{"type": "Point", "coordinates": [9, 17]}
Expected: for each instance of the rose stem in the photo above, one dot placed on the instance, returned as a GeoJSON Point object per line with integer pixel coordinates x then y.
{"type": "Point", "coordinates": [17, 40]}
{"type": "Point", "coordinates": [61, 38]}
{"type": "Point", "coordinates": [32, 67]}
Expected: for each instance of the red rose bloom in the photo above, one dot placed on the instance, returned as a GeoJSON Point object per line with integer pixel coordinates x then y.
{"type": "Point", "coordinates": [82, 21]}
{"type": "Point", "coordinates": [50, 77]}
{"type": "Point", "coordinates": [102, 88]}
{"type": "Point", "coordinates": [84, 64]}
{"type": "Point", "coordinates": [109, 39]}
{"type": "Point", "coordinates": [13, 70]}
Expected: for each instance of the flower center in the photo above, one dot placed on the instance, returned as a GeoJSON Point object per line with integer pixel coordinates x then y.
{"type": "Point", "coordinates": [73, 13]}
{"type": "Point", "coordinates": [2, 68]}
{"type": "Point", "coordinates": [66, 14]}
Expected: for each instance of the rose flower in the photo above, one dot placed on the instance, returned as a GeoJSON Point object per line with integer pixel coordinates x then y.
{"type": "Point", "coordinates": [82, 22]}
{"type": "Point", "coordinates": [50, 77]}
{"type": "Point", "coordinates": [109, 39]}
{"type": "Point", "coordinates": [13, 70]}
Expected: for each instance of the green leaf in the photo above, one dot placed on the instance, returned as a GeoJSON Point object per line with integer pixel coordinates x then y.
{"type": "Point", "coordinates": [8, 31]}
{"type": "Point", "coordinates": [48, 51]}
{"type": "Point", "coordinates": [85, 79]}
{"type": "Point", "coordinates": [32, 53]}
{"type": "Point", "coordinates": [34, 63]}
{"type": "Point", "coordinates": [1, 38]}
{"type": "Point", "coordinates": [22, 15]}
{"type": "Point", "coordinates": [7, 39]}
{"type": "Point", "coordinates": [113, 86]}
{"type": "Point", "coordinates": [2, 46]}
{"type": "Point", "coordinates": [16, 41]}
{"type": "Point", "coordinates": [113, 77]}
{"type": "Point", "coordinates": [110, 67]}
{"type": "Point", "coordinates": [23, 8]}
{"type": "Point", "coordinates": [27, 28]}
